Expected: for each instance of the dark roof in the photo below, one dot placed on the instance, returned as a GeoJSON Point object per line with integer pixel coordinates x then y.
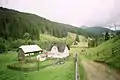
{"type": "Point", "coordinates": [60, 47]}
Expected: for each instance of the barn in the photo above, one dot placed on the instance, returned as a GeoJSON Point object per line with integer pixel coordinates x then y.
{"type": "Point", "coordinates": [28, 50]}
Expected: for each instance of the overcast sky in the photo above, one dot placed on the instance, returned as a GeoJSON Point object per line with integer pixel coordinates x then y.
{"type": "Point", "coordinates": [74, 12]}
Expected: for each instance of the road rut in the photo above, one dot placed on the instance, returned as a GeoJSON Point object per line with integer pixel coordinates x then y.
{"type": "Point", "coordinates": [99, 71]}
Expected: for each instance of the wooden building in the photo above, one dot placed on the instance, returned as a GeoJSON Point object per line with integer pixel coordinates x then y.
{"type": "Point", "coordinates": [28, 50]}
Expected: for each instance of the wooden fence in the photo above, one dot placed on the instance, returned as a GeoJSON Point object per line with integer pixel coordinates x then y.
{"type": "Point", "coordinates": [77, 76]}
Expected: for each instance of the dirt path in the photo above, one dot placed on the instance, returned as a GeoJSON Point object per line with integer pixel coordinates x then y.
{"type": "Point", "coordinates": [98, 71]}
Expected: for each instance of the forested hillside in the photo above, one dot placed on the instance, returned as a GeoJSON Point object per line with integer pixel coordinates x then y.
{"type": "Point", "coordinates": [15, 24]}
{"type": "Point", "coordinates": [18, 28]}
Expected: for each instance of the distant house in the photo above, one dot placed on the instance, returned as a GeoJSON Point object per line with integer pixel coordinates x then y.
{"type": "Point", "coordinates": [58, 51]}
{"type": "Point", "coordinates": [28, 50]}
{"type": "Point", "coordinates": [76, 43]}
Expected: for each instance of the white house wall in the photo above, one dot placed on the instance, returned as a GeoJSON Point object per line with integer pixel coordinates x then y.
{"type": "Point", "coordinates": [26, 54]}
{"type": "Point", "coordinates": [41, 58]}
{"type": "Point", "coordinates": [54, 53]}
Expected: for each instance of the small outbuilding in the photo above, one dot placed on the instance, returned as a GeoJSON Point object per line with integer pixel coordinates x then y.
{"type": "Point", "coordinates": [41, 57]}
{"type": "Point", "coordinates": [28, 50]}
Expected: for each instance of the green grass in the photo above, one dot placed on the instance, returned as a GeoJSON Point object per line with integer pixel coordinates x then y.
{"type": "Point", "coordinates": [105, 52]}
{"type": "Point", "coordinates": [5, 73]}
{"type": "Point", "coordinates": [48, 70]}
{"type": "Point", "coordinates": [45, 41]}
{"type": "Point", "coordinates": [75, 50]}
{"type": "Point", "coordinates": [56, 72]}
{"type": "Point", "coordinates": [44, 37]}
{"type": "Point", "coordinates": [82, 73]}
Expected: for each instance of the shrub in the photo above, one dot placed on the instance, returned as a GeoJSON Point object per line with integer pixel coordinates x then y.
{"type": "Point", "coordinates": [2, 48]}
{"type": "Point", "coordinates": [23, 66]}
{"type": "Point", "coordinates": [17, 43]}
{"type": "Point", "coordinates": [4, 45]}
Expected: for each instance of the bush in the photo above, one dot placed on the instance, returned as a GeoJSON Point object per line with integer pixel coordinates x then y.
{"type": "Point", "coordinates": [4, 45]}
{"type": "Point", "coordinates": [17, 43]}
{"type": "Point", "coordinates": [91, 43]}
{"type": "Point", "coordinates": [23, 66]}
{"type": "Point", "coordinates": [2, 48]}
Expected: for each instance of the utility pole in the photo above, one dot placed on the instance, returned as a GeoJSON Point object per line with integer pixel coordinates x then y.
{"type": "Point", "coordinates": [115, 26]}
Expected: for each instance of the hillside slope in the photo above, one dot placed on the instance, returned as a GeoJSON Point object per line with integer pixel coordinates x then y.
{"type": "Point", "coordinates": [97, 31]}
{"type": "Point", "coordinates": [104, 52]}
{"type": "Point", "coordinates": [14, 24]}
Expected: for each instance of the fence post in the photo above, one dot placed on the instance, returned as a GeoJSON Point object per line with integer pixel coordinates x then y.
{"type": "Point", "coordinates": [76, 68]}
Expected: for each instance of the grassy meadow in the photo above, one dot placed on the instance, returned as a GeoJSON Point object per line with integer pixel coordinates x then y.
{"type": "Point", "coordinates": [48, 70]}
{"type": "Point", "coordinates": [8, 74]}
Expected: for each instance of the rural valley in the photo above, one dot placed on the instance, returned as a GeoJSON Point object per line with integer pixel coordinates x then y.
{"type": "Point", "coordinates": [35, 48]}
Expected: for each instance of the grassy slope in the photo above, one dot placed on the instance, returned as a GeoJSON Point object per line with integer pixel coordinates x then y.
{"type": "Point", "coordinates": [105, 52]}
{"type": "Point", "coordinates": [81, 37]}
{"type": "Point", "coordinates": [44, 37]}
{"type": "Point", "coordinates": [46, 40]}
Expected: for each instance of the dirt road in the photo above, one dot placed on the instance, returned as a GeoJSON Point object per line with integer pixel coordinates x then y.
{"type": "Point", "coordinates": [98, 71]}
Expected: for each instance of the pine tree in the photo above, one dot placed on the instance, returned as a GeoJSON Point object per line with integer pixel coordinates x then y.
{"type": "Point", "coordinates": [107, 36]}
{"type": "Point", "coordinates": [77, 38]}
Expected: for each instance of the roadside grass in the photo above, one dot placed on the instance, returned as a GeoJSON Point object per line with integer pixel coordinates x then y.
{"type": "Point", "coordinates": [83, 75]}
{"type": "Point", "coordinates": [104, 53]}
{"type": "Point", "coordinates": [77, 50]}
{"type": "Point", "coordinates": [81, 56]}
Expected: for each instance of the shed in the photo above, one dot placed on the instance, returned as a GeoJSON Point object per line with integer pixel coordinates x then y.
{"type": "Point", "coordinates": [28, 50]}
{"type": "Point", "coordinates": [41, 57]}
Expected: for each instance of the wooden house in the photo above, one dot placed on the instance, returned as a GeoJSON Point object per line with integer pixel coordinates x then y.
{"type": "Point", "coordinates": [28, 50]}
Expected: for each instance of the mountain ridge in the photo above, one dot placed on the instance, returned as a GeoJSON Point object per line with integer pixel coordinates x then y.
{"type": "Point", "coordinates": [97, 30]}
